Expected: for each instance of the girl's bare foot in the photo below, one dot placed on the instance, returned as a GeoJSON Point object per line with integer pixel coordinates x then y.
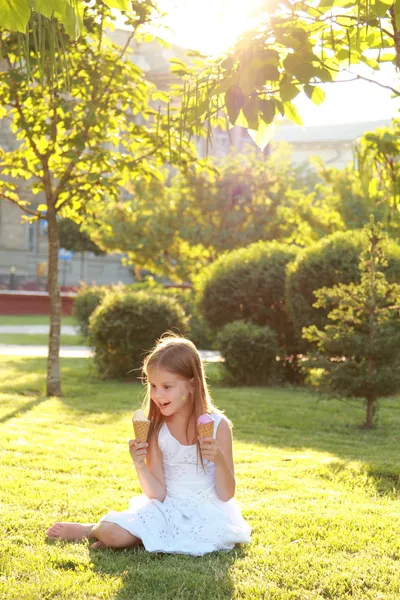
{"type": "Point", "coordinates": [69, 531]}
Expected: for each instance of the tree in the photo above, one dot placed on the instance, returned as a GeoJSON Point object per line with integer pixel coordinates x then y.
{"type": "Point", "coordinates": [78, 149]}
{"type": "Point", "coordinates": [48, 21]}
{"type": "Point", "coordinates": [296, 47]}
{"type": "Point", "coordinates": [213, 207]}
{"type": "Point", "coordinates": [251, 197]}
{"type": "Point", "coordinates": [370, 185]}
{"type": "Point", "coordinates": [359, 350]}
{"type": "Point", "coordinates": [72, 237]}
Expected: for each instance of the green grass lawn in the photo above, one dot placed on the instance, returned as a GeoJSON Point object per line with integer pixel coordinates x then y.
{"type": "Point", "coordinates": [39, 340]}
{"type": "Point", "coordinates": [321, 494]}
{"type": "Point", "coordinates": [32, 320]}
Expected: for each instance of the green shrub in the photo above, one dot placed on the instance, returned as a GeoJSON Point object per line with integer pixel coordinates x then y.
{"type": "Point", "coordinates": [248, 284]}
{"type": "Point", "coordinates": [88, 298]}
{"type": "Point", "coordinates": [198, 330]}
{"type": "Point", "coordinates": [249, 351]}
{"type": "Point", "coordinates": [125, 326]}
{"type": "Point", "coordinates": [334, 259]}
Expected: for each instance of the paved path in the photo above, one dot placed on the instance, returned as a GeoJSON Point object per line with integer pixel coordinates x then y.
{"type": "Point", "coordinates": [38, 329]}
{"type": "Point", "coordinates": [65, 351]}
{"type": "Point", "coordinates": [78, 352]}
{"type": "Point", "coordinates": [37, 351]}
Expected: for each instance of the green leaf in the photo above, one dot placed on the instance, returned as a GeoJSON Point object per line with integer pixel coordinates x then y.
{"type": "Point", "coordinates": [323, 74]}
{"type": "Point", "coordinates": [120, 4]}
{"type": "Point", "coordinates": [267, 109]}
{"type": "Point", "coordinates": [234, 100]}
{"type": "Point", "coordinates": [270, 73]}
{"type": "Point", "coordinates": [315, 94]}
{"type": "Point", "coordinates": [73, 22]}
{"type": "Point", "coordinates": [45, 8]}
{"type": "Point", "coordinates": [305, 71]}
{"type": "Point", "coordinates": [14, 14]}
{"type": "Point", "coordinates": [291, 113]}
{"type": "Point", "coordinates": [279, 106]}
{"type": "Point", "coordinates": [288, 91]}
{"type": "Point", "coordinates": [396, 6]}
{"type": "Point", "coordinates": [263, 135]}
{"type": "Point", "coordinates": [381, 7]}
{"type": "Point", "coordinates": [250, 112]}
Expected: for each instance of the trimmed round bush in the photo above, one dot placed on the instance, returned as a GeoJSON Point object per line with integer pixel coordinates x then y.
{"type": "Point", "coordinates": [249, 351]}
{"type": "Point", "coordinates": [86, 301]}
{"type": "Point", "coordinates": [334, 259]}
{"type": "Point", "coordinates": [198, 330]}
{"type": "Point", "coordinates": [126, 325]}
{"type": "Point", "coordinates": [248, 284]}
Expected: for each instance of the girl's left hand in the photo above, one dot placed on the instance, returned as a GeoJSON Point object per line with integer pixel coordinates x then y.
{"type": "Point", "coordinates": [210, 449]}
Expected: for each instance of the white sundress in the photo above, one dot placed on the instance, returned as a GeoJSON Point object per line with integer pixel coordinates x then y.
{"type": "Point", "coordinates": [192, 519]}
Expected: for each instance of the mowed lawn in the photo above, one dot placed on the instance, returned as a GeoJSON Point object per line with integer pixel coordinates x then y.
{"type": "Point", "coordinates": [35, 339]}
{"type": "Point", "coordinates": [33, 320]}
{"type": "Point", "coordinates": [321, 494]}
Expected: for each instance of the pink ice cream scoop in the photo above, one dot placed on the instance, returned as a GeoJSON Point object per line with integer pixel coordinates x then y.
{"type": "Point", "coordinates": [204, 419]}
{"type": "Point", "coordinates": [205, 425]}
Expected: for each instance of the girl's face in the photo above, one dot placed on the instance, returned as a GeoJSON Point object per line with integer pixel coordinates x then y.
{"type": "Point", "coordinates": [170, 392]}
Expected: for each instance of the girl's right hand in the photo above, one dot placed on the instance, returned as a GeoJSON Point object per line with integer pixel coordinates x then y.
{"type": "Point", "coordinates": [138, 451]}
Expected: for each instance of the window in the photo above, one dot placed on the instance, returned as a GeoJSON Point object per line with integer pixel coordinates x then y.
{"type": "Point", "coordinates": [30, 236]}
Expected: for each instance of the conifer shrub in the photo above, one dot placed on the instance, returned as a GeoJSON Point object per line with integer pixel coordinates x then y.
{"type": "Point", "coordinates": [332, 260]}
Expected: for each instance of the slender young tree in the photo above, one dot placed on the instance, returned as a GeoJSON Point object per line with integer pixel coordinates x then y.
{"type": "Point", "coordinates": [83, 133]}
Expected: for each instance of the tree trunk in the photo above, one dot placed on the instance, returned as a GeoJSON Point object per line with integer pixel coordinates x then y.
{"type": "Point", "coordinates": [82, 266]}
{"type": "Point", "coordinates": [369, 421]}
{"type": "Point", "coordinates": [53, 361]}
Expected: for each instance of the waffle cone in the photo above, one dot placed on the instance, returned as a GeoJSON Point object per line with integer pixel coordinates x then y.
{"type": "Point", "coordinates": [141, 430]}
{"type": "Point", "coordinates": [206, 429]}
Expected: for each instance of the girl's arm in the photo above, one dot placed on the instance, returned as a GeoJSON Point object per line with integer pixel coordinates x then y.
{"type": "Point", "coordinates": [149, 468]}
{"type": "Point", "coordinates": [220, 451]}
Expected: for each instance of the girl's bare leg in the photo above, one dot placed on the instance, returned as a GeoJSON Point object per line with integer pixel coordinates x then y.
{"type": "Point", "coordinates": [70, 531]}
{"type": "Point", "coordinates": [111, 535]}
{"type": "Point", "coordinates": [108, 534]}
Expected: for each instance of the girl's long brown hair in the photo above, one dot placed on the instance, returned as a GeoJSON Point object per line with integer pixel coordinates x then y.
{"type": "Point", "coordinates": [178, 356]}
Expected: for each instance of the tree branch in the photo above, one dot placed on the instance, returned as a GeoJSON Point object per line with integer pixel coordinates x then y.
{"type": "Point", "coordinates": [17, 105]}
{"type": "Point", "coordinates": [396, 35]}
{"type": "Point", "coordinates": [382, 85]}
{"type": "Point", "coordinates": [21, 204]}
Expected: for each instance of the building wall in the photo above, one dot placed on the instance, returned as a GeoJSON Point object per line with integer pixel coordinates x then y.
{"type": "Point", "coordinates": [334, 155]}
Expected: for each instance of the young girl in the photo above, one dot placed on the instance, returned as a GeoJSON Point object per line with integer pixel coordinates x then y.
{"type": "Point", "coordinates": [188, 482]}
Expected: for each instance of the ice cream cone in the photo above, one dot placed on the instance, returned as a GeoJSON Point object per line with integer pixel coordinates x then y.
{"type": "Point", "coordinates": [206, 429]}
{"type": "Point", "coordinates": [141, 430]}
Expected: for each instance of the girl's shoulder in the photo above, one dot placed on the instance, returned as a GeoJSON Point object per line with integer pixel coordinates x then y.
{"type": "Point", "coordinates": [218, 418]}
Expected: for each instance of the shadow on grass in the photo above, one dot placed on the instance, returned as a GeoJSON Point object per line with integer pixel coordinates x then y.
{"type": "Point", "coordinates": [382, 481]}
{"type": "Point", "coordinates": [21, 410]}
{"type": "Point", "coordinates": [156, 576]}
{"type": "Point", "coordinates": [159, 576]}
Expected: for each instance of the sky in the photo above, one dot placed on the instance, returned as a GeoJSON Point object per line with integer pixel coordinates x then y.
{"type": "Point", "coordinates": [212, 26]}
